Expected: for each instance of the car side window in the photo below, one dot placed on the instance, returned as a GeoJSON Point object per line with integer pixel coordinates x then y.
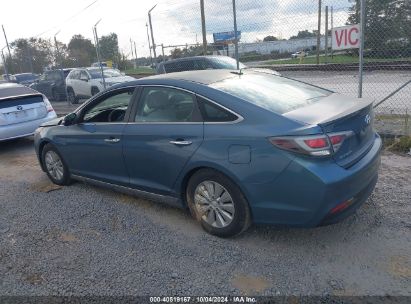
{"type": "Point", "coordinates": [84, 75]}
{"type": "Point", "coordinates": [161, 104]}
{"type": "Point", "coordinates": [214, 113]}
{"type": "Point", "coordinates": [110, 108]}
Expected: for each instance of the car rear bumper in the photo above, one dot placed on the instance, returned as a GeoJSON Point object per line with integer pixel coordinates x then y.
{"type": "Point", "coordinates": [23, 129]}
{"type": "Point", "coordinates": [306, 193]}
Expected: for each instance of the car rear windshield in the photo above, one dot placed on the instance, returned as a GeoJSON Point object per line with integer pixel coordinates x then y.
{"type": "Point", "coordinates": [274, 93]}
{"type": "Point", "coordinates": [20, 101]}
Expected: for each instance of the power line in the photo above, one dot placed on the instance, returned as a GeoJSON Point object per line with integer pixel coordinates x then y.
{"type": "Point", "coordinates": [67, 20]}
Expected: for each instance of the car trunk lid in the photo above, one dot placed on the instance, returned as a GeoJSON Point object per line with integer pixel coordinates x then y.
{"type": "Point", "coordinates": [20, 109]}
{"type": "Point", "coordinates": [337, 113]}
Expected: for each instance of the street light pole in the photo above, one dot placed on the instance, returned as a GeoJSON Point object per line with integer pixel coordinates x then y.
{"type": "Point", "coordinates": [152, 36]}
{"type": "Point", "coordinates": [149, 46]}
{"type": "Point", "coordinates": [61, 64]}
{"type": "Point", "coordinates": [98, 53]}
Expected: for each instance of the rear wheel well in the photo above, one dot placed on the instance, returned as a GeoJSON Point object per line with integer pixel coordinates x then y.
{"type": "Point", "coordinates": [41, 147]}
{"type": "Point", "coordinates": [190, 173]}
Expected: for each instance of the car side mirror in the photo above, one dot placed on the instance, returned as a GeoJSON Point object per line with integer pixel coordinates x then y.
{"type": "Point", "coordinates": [69, 119]}
{"type": "Point", "coordinates": [84, 79]}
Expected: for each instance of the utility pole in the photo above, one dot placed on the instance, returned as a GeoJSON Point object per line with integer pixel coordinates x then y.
{"type": "Point", "coordinates": [5, 64]}
{"type": "Point", "coordinates": [162, 50]}
{"type": "Point", "coordinates": [203, 27]}
{"type": "Point", "coordinates": [7, 43]}
{"type": "Point", "coordinates": [361, 54]}
{"type": "Point", "coordinates": [98, 53]}
{"type": "Point", "coordinates": [235, 36]}
{"type": "Point", "coordinates": [61, 65]}
{"type": "Point", "coordinates": [152, 36]}
{"type": "Point", "coordinates": [135, 52]}
{"type": "Point", "coordinates": [332, 28]}
{"type": "Point", "coordinates": [319, 32]}
{"type": "Point", "coordinates": [326, 33]}
{"type": "Point", "coordinates": [132, 55]}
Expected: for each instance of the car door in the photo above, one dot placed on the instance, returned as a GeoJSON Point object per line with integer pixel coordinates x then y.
{"type": "Point", "coordinates": [165, 130]}
{"type": "Point", "coordinates": [93, 146]}
{"type": "Point", "coordinates": [84, 84]}
{"type": "Point", "coordinates": [45, 83]}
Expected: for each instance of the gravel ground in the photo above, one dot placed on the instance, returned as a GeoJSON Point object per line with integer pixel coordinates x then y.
{"type": "Point", "coordinates": [82, 240]}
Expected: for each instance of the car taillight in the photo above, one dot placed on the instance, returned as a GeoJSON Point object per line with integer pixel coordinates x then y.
{"type": "Point", "coordinates": [316, 145]}
{"type": "Point", "coordinates": [49, 107]}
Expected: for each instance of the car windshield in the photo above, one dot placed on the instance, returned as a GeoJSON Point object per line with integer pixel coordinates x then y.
{"type": "Point", "coordinates": [108, 73]}
{"type": "Point", "coordinates": [226, 63]}
{"type": "Point", "coordinates": [274, 93]}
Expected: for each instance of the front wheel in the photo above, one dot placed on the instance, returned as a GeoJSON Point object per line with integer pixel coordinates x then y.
{"type": "Point", "coordinates": [217, 203]}
{"type": "Point", "coordinates": [72, 98]}
{"type": "Point", "coordinates": [55, 167]}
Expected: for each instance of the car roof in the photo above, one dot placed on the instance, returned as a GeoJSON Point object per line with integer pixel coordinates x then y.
{"type": "Point", "coordinates": [14, 89]}
{"type": "Point", "coordinates": [193, 58]}
{"type": "Point", "coordinates": [22, 74]}
{"type": "Point", "coordinates": [205, 77]}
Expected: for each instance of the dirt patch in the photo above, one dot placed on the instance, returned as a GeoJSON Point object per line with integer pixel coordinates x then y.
{"type": "Point", "coordinates": [400, 266]}
{"type": "Point", "coordinates": [44, 186]}
{"type": "Point", "coordinates": [250, 284]}
{"type": "Point", "coordinates": [34, 279]}
{"type": "Point", "coordinates": [68, 237]}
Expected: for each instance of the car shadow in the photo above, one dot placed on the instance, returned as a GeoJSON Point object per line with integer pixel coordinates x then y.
{"type": "Point", "coordinates": [16, 145]}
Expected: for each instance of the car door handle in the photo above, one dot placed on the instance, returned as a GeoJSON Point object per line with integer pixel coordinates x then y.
{"type": "Point", "coordinates": [112, 140]}
{"type": "Point", "coordinates": [181, 142]}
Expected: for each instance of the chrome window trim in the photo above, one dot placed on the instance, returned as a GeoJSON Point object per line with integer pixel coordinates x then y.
{"type": "Point", "coordinates": [239, 117]}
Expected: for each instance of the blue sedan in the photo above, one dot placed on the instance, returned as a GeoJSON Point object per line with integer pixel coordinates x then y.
{"type": "Point", "coordinates": [233, 147]}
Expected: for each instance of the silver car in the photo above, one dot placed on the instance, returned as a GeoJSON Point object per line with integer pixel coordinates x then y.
{"type": "Point", "coordinates": [22, 111]}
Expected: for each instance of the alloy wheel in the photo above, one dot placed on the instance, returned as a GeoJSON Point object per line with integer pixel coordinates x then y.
{"type": "Point", "coordinates": [214, 204]}
{"type": "Point", "coordinates": [54, 165]}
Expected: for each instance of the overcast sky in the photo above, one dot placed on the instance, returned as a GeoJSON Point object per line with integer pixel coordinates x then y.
{"type": "Point", "coordinates": [174, 21]}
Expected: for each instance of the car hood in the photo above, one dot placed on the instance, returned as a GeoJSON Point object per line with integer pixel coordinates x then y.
{"type": "Point", "coordinates": [53, 122]}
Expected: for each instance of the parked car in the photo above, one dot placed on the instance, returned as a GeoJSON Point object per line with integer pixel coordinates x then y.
{"type": "Point", "coordinates": [234, 147]}
{"type": "Point", "coordinates": [22, 110]}
{"type": "Point", "coordinates": [26, 78]}
{"type": "Point", "coordinates": [299, 54]}
{"type": "Point", "coordinates": [87, 82]}
{"type": "Point", "coordinates": [198, 63]}
{"type": "Point", "coordinates": [52, 84]}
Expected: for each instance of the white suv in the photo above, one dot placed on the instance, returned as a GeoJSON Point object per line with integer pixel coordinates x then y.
{"type": "Point", "coordinates": [86, 82]}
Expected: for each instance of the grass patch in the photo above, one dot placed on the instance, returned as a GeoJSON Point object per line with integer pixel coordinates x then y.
{"type": "Point", "coordinates": [402, 145]}
{"type": "Point", "coordinates": [140, 70]}
{"type": "Point", "coordinates": [336, 59]}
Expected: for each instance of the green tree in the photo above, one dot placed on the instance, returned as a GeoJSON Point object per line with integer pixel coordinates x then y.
{"type": "Point", "coordinates": [270, 38]}
{"type": "Point", "coordinates": [387, 24]}
{"type": "Point", "coordinates": [109, 48]}
{"type": "Point", "coordinates": [32, 55]}
{"type": "Point", "coordinates": [304, 34]}
{"type": "Point", "coordinates": [81, 52]}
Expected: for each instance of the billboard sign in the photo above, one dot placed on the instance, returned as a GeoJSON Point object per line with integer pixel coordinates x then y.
{"type": "Point", "coordinates": [226, 37]}
{"type": "Point", "coordinates": [346, 37]}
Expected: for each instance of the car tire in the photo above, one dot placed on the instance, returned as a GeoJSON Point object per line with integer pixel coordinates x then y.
{"type": "Point", "coordinates": [55, 166]}
{"type": "Point", "coordinates": [54, 95]}
{"type": "Point", "coordinates": [72, 98]}
{"type": "Point", "coordinates": [94, 91]}
{"type": "Point", "coordinates": [213, 198]}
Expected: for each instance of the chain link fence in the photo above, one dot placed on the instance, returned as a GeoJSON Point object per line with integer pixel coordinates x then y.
{"type": "Point", "coordinates": [294, 38]}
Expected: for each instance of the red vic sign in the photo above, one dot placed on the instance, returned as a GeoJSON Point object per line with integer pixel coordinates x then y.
{"type": "Point", "coordinates": [346, 37]}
